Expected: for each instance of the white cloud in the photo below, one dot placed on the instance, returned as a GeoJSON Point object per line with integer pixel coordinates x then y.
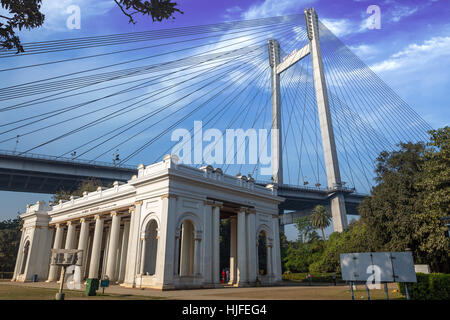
{"type": "Point", "coordinates": [401, 12]}
{"type": "Point", "coordinates": [231, 12]}
{"type": "Point", "coordinates": [416, 55]}
{"type": "Point", "coordinates": [364, 50]}
{"type": "Point", "coordinates": [340, 27]}
{"type": "Point", "coordinates": [56, 15]}
{"type": "Point", "coordinates": [271, 8]}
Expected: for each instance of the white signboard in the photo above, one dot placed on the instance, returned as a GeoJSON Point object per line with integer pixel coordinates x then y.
{"type": "Point", "coordinates": [403, 267]}
{"type": "Point", "coordinates": [389, 266]}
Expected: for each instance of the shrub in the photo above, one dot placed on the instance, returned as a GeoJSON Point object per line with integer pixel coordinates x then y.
{"type": "Point", "coordinates": [316, 277]}
{"type": "Point", "coordinates": [433, 286]}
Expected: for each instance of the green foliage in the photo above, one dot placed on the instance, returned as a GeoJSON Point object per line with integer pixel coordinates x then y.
{"type": "Point", "coordinates": [300, 255]}
{"type": "Point", "coordinates": [9, 243]}
{"type": "Point", "coordinates": [305, 229]}
{"type": "Point", "coordinates": [26, 14]}
{"type": "Point", "coordinates": [353, 239]}
{"type": "Point", "coordinates": [434, 185]}
{"type": "Point", "coordinates": [158, 10]}
{"type": "Point", "coordinates": [316, 277]}
{"type": "Point", "coordinates": [20, 14]}
{"type": "Point", "coordinates": [404, 211]}
{"type": "Point", "coordinates": [434, 286]}
{"type": "Point", "coordinates": [85, 186]}
{"type": "Point", "coordinates": [320, 219]}
{"type": "Point", "coordinates": [406, 208]}
{"type": "Point", "coordinates": [284, 246]}
{"type": "Point", "coordinates": [388, 211]}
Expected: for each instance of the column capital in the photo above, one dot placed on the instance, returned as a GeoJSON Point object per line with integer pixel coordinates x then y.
{"type": "Point", "coordinates": [241, 210]}
{"type": "Point", "coordinates": [131, 209]}
{"type": "Point", "coordinates": [208, 202]}
{"type": "Point", "coordinates": [198, 235]}
{"type": "Point", "coordinates": [251, 210]}
{"type": "Point", "coordinates": [177, 233]}
{"type": "Point", "coordinates": [114, 213]}
{"type": "Point", "coordinates": [136, 203]}
{"type": "Point", "coordinates": [69, 223]}
{"type": "Point", "coordinates": [168, 196]}
{"type": "Point", "coordinates": [218, 204]}
{"type": "Point", "coordinates": [97, 217]}
{"type": "Point", "coordinates": [57, 225]}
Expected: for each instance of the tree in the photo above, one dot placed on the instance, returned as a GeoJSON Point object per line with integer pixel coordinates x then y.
{"type": "Point", "coordinates": [389, 210]}
{"type": "Point", "coordinates": [434, 186]}
{"type": "Point", "coordinates": [85, 186]}
{"type": "Point", "coordinates": [26, 14]}
{"type": "Point", "coordinates": [305, 229]}
{"type": "Point", "coordinates": [355, 238]}
{"type": "Point", "coordinates": [157, 9]}
{"type": "Point", "coordinates": [405, 208]}
{"type": "Point", "coordinates": [320, 219]}
{"type": "Point", "coordinates": [22, 14]}
{"type": "Point", "coordinates": [9, 243]}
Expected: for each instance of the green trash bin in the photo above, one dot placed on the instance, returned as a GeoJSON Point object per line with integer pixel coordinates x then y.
{"type": "Point", "coordinates": [91, 287]}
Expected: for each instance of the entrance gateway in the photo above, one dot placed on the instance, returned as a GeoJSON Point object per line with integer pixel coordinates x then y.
{"type": "Point", "coordinates": [161, 229]}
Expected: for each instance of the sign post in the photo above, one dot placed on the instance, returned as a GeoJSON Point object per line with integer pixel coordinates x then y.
{"type": "Point", "coordinates": [65, 258]}
{"type": "Point", "coordinates": [377, 268]}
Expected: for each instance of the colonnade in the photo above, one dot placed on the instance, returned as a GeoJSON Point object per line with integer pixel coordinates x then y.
{"type": "Point", "coordinates": [112, 249]}
{"type": "Point", "coordinates": [111, 246]}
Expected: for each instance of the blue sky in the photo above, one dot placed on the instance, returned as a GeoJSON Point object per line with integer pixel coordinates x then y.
{"type": "Point", "coordinates": [411, 51]}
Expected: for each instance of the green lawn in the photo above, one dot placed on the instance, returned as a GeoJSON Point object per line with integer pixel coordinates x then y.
{"type": "Point", "coordinates": [13, 292]}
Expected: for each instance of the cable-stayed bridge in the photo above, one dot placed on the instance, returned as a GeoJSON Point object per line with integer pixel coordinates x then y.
{"type": "Point", "coordinates": [90, 107]}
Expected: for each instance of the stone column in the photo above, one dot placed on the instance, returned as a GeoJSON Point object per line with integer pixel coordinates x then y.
{"type": "Point", "coordinates": [276, 254]}
{"type": "Point", "coordinates": [207, 242]}
{"type": "Point", "coordinates": [216, 242]}
{"type": "Point", "coordinates": [166, 242]}
{"type": "Point", "coordinates": [241, 248]}
{"type": "Point", "coordinates": [113, 246]}
{"type": "Point", "coordinates": [83, 242]}
{"type": "Point", "coordinates": [133, 242]}
{"type": "Point", "coordinates": [197, 243]}
{"type": "Point", "coordinates": [53, 273]}
{"type": "Point", "coordinates": [123, 256]}
{"type": "Point", "coordinates": [19, 256]}
{"type": "Point", "coordinates": [96, 248]}
{"type": "Point", "coordinates": [269, 257]}
{"type": "Point", "coordinates": [251, 245]}
{"type": "Point", "coordinates": [70, 235]}
{"type": "Point", "coordinates": [233, 250]}
{"type": "Point", "coordinates": [143, 249]}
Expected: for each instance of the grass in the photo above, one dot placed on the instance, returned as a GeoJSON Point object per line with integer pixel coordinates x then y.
{"type": "Point", "coordinates": [14, 292]}
{"type": "Point", "coordinates": [315, 292]}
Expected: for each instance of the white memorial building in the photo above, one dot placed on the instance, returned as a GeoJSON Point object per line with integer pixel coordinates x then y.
{"type": "Point", "coordinates": [161, 230]}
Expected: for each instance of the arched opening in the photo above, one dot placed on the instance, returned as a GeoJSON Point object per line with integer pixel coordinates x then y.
{"type": "Point", "coordinates": [26, 250]}
{"type": "Point", "coordinates": [151, 248]}
{"type": "Point", "coordinates": [262, 253]}
{"type": "Point", "coordinates": [186, 263]}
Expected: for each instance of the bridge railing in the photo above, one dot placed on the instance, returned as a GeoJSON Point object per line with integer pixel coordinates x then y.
{"type": "Point", "coordinates": [309, 188]}
{"type": "Point", "coordinates": [65, 159]}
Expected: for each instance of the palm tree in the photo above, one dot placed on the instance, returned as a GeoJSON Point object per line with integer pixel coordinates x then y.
{"type": "Point", "coordinates": [320, 219]}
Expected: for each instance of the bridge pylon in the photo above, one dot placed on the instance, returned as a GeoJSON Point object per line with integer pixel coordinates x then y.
{"type": "Point", "coordinates": [337, 202]}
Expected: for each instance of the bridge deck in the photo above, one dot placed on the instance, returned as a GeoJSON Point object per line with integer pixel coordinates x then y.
{"type": "Point", "coordinates": [43, 174]}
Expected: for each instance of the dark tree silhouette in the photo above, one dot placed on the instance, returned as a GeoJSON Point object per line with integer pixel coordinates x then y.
{"type": "Point", "coordinates": [25, 14]}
